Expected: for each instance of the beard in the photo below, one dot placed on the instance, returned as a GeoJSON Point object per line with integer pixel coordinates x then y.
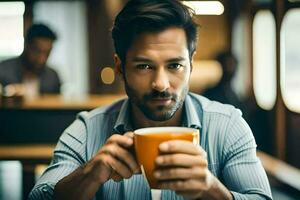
{"type": "Point", "coordinates": [160, 112]}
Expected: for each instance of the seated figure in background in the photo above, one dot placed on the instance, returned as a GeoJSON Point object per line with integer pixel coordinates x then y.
{"type": "Point", "coordinates": [223, 91]}
{"type": "Point", "coordinates": [29, 69]}
{"type": "Point", "coordinates": [257, 118]}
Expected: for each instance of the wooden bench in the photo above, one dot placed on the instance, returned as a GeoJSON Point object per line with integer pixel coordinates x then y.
{"type": "Point", "coordinates": [281, 171]}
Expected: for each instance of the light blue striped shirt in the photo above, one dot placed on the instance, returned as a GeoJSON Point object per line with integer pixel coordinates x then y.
{"type": "Point", "coordinates": [225, 136]}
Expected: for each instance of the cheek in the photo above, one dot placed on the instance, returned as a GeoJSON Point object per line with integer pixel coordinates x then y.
{"type": "Point", "coordinates": [180, 81]}
{"type": "Point", "coordinates": [140, 84]}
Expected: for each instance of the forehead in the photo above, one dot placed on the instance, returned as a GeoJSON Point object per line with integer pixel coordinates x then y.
{"type": "Point", "coordinates": [43, 43]}
{"type": "Point", "coordinates": [171, 41]}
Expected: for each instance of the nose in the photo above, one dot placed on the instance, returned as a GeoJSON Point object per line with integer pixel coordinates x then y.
{"type": "Point", "coordinates": [161, 81]}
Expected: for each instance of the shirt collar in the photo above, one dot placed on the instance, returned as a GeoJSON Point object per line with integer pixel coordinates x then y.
{"type": "Point", "coordinates": [190, 117]}
{"type": "Point", "coordinates": [123, 123]}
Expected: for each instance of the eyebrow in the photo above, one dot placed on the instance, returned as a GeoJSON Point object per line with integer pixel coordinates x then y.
{"type": "Point", "coordinates": [143, 59]}
{"type": "Point", "coordinates": [178, 59]}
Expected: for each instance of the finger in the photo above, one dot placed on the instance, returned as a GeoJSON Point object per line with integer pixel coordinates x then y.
{"type": "Point", "coordinates": [131, 149]}
{"type": "Point", "coordinates": [181, 146]}
{"type": "Point", "coordinates": [122, 155]}
{"type": "Point", "coordinates": [180, 173]}
{"type": "Point", "coordinates": [183, 185]}
{"type": "Point", "coordinates": [116, 177]}
{"type": "Point", "coordinates": [119, 167]}
{"type": "Point", "coordinates": [124, 141]}
{"type": "Point", "coordinates": [181, 160]}
{"type": "Point", "coordinates": [129, 134]}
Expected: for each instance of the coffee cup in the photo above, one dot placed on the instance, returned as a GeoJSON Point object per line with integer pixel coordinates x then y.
{"type": "Point", "coordinates": [147, 141]}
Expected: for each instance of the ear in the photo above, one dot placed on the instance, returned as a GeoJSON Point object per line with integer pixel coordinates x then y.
{"type": "Point", "coordinates": [118, 65]}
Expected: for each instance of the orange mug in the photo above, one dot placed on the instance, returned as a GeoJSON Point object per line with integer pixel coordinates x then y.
{"type": "Point", "coordinates": [147, 140]}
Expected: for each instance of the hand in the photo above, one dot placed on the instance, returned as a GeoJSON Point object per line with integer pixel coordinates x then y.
{"type": "Point", "coordinates": [114, 160]}
{"type": "Point", "coordinates": [183, 167]}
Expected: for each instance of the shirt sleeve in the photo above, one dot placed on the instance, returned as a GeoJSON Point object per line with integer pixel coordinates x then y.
{"type": "Point", "coordinates": [243, 173]}
{"type": "Point", "coordinates": [69, 154]}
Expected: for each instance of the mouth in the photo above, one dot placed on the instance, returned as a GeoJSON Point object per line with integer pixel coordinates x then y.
{"type": "Point", "coordinates": [161, 101]}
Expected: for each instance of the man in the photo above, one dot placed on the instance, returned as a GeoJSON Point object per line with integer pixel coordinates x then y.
{"type": "Point", "coordinates": [155, 42]}
{"type": "Point", "coordinates": [223, 91]}
{"type": "Point", "coordinates": [30, 69]}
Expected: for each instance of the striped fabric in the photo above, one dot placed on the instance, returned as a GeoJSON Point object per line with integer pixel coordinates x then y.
{"type": "Point", "coordinates": [225, 136]}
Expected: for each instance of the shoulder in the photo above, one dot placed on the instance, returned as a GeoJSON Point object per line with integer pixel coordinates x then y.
{"type": "Point", "coordinates": [214, 108]}
{"type": "Point", "coordinates": [92, 122]}
{"type": "Point", "coordinates": [220, 121]}
{"type": "Point", "coordinates": [104, 113]}
{"type": "Point", "coordinates": [9, 71]}
{"type": "Point", "coordinates": [9, 64]}
{"type": "Point", "coordinates": [223, 128]}
{"type": "Point", "coordinates": [98, 125]}
{"type": "Point", "coordinates": [50, 71]}
{"type": "Point", "coordinates": [217, 118]}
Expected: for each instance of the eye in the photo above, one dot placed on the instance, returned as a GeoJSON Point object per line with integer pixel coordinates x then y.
{"type": "Point", "coordinates": [143, 66]}
{"type": "Point", "coordinates": [175, 66]}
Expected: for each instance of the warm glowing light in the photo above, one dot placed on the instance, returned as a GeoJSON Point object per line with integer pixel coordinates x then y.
{"type": "Point", "coordinates": [206, 7]}
{"type": "Point", "coordinates": [107, 75]}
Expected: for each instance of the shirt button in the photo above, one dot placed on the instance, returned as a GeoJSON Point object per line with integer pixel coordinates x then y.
{"type": "Point", "coordinates": [44, 189]}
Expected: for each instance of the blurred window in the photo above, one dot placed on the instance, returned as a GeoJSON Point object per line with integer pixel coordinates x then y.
{"type": "Point", "coordinates": [11, 29]}
{"type": "Point", "coordinates": [264, 59]}
{"type": "Point", "coordinates": [240, 48]}
{"type": "Point", "coordinates": [290, 59]}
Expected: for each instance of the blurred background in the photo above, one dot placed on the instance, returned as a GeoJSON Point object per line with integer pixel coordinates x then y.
{"type": "Point", "coordinates": [261, 37]}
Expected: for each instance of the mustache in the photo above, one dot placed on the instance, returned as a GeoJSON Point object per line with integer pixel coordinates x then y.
{"type": "Point", "coordinates": [154, 94]}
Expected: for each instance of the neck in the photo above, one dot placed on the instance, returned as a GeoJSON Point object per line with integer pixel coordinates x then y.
{"type": "Point", "coordinates": [141, 121]}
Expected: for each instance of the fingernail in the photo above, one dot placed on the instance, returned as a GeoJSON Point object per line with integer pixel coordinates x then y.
{"type": "Point", "coordinates": [163, 147]}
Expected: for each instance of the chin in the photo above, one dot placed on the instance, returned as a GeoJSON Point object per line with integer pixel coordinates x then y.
{"type": "Point", "coordinates": [159, 116]}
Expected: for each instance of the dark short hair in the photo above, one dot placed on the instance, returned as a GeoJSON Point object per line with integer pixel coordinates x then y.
{"type": "Point", "coordinates": [140, 16]}
{"type": "Point", "coordinates": [39, 31]}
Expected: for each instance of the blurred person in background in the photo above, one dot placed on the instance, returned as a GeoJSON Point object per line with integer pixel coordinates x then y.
{"type": "Point", "coordinates": [30, 69]}
{"type": "Point", "coordinates": [223, 91]}
{"type": "Point", "coordinates": [257, 118]}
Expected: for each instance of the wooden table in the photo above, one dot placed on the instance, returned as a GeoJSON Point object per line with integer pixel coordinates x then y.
{"type": "Point", "coordinates": [75, 103]}
{"type": "Point", "coordinates": [28, 152]}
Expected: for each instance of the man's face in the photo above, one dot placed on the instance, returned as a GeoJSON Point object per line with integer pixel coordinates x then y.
{"type": "Point", "coordinates": [37, 52]}
{"type": "Point", "coordinates": [157, 73]}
